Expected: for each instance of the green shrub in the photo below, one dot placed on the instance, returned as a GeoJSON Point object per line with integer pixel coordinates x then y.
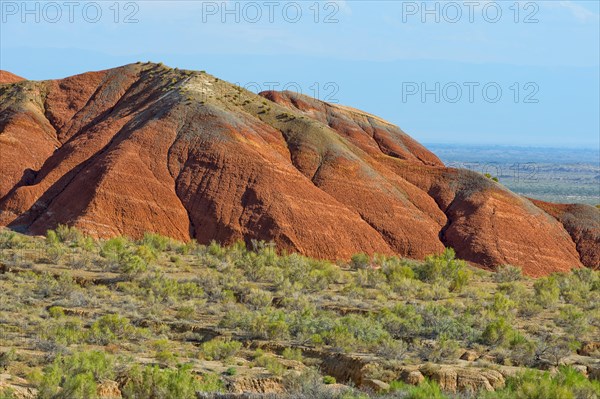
{"type": "Point", "coordinates": [441, 319]}
{"type": "Point", "coordinates": [425, 390]}
{"type": "Point", "coordinates": [215, 249]}
{"type": "Point", "coordinates": [502, 305]}
{"type": "Point", "coordinates": [218, 349]}
{"type": "Point", "coordinates": [352, 332]}
{"type": "Point", "coordinates": [360, 261]}
{"type": "Point", "coordinates": [329, 380]}
{"type": "Point", "coordinates": [156, 241]}
{"type": "Point", "coordinates": [444, 348]}
{"type": "Point", "coordinates": [146, 252]}
{"type": "Point", "coordinates": [62, 331]}
{"type": "Point", "coordinates": [56, 312]}
{"type": "Point", "coordinates": [52, 238]}
{"type": "Point", "coordinates": [6, 358]}
{"type": "Point", "coordinates": [133, 265]}
{"type": "Point", "coordinates": [292, 354]}
{"type": "Point", "coordinates": [371, 278]}
{"type": "Point", "coordinates": [567, 383]}
{"type": "Point", "coordinates": [401, 321]}
{"type": "Point", "coordinates": [552, 348]}
{"type": "Point", "coordinates": [53, 253]}
{"type": "Point", "coordinates": [68, 234]}
{"type": "Point", "coordinates": [507, 274]}
{"type": "Point", "coordinates": [162, 289]}
{"type": "Point", "coordinates": [498, 332]}
{"type": "Point", "coordinates": [47, 286]}
{"type": "Point", "coordinates": [114, 249]}
{"type": "Point", "coordinates": [7, 393]}
{"type": "Point", "coordinates": [75, 376]}
{"type": "Point", "coordinates": [573, 320]}
{"type": "Point", "coordinates": [529, 307]}
{"type": "Point", "coordinates": [186, 312]}
{"type": "Point", "coordinates": [267, 323]}
{"type": "Point", "coordinates": [547, 291]}
{"type": "Point", "coordinates": [166, 357]}
{"type": "Point", "coordinates": [12, 240]}
{"type": "Point", "coordinates": [257, 298]}
{"type": "Point", "coordinates": [112, 328]}
{"type": "Point", "coordinates": [445, 269]}
{"type": "Point", "coordinates": [392, 349]}
{"type": "Point", "coordinates": [578, 286]}
{"type": "Point", "coordinates": [153, 382]}
{"type": "Point", "coordinates": [268, 362]}
{"type": "Point", "coordinates": [396, 272]}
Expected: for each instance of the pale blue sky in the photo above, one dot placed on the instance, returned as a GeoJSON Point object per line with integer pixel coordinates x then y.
{"type": "Point", "coordinates": [370, 58]}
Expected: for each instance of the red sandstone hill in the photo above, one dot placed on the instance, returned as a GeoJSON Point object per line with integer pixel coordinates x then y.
{"type": "Point", "coordinates": [148, 148]}
{"type": "Point", "coordinates": [7, 77]}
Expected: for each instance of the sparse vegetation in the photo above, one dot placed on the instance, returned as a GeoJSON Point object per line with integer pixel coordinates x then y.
{"type": "Point", "coordinates": [170, 319]}
{"type": "Point", "coordinates": [489, 176]}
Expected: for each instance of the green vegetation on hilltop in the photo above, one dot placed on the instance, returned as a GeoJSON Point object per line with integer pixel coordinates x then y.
{"type": "Point", "coordinates": [166, 319]}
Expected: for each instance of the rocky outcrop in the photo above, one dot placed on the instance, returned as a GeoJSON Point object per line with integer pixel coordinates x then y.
{"type": "Point", "coordinates": [374, 385]}
{"type": "Point", "coordinates": [463, 379]}
{"type": "Point", "coordinates": [108, 390]}
{"type": "Point", "coordinates": [469, 356]}
{"type": "Point", "coordinates": [593, 372]}
{"type": "Point", "coordinates": [591, 348]}
{"type": "Point", "coordinates": [148, 148]}
{"type": "Point", "coordinates": [256, 384]}
{"type": "Point", "coordinates": [16, 388]}
{"type": "Point", "coordinates": [346, 367]}
{"type": "Point", "coordinates": [413, 377]}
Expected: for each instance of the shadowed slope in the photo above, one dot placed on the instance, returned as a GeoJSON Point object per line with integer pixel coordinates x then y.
{"type": "Point", "coordinates": [583, 224]}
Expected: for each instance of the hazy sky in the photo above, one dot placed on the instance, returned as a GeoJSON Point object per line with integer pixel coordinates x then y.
{"type": "Point", "coordinates": [483, 72]}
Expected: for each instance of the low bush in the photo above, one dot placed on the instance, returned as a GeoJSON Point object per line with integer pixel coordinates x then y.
{"type": "Point", "coordinates": [507, 274]}
{"type": "Point", "coordinates": [425, 390]}
{"type": "Point", "coordinates": [159, 288]}
{"type": "Point", "coordinates": [392, 349]}
{"type": "Point", "coordinates": [70, 235]}
{"type": "Point", "coordinates": [499, 332]}
{"type": "Point", "coordinates": [401, 321]}
{"type": "Point", "coordinates": [547, 291]}
{"type": "Point", "coordinates": [445, 269]}
{"type": "Point", "coordinates": [62, 331]}
{"type": "Point", "coordinates": [552, 349]}
{"type": "Point", "coordinates": [292, 354]}
{"type": "Point", "coordinates": [573, 319]}
{"type": "Point", "coordinates": [567, 383]}
{"type": "Point", "coordinates": [329, 380]}
{"type": "Point", "coordinates": [360, 261]}
{"type": "Point", "coordinates": [112, 328]}
{"type": "Point", "coordinates": [12, 240]}
{"type": "Point", "coordinates": [115, 250]}
{"type": "Point", "coordinates": [6, 358]}
{"type": "Point", "coordinates": [218, 349]}
{"type": "Point", "coordinates": [153, 382]}
{"type": "Point", "coordinates": [443, 348]}
{"type": "Point", "coordinates": [268, 362]}
{"type": "Point", "coordinates": [156, 241]}
{"type": "Point", "coordinates": [75, 376]}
